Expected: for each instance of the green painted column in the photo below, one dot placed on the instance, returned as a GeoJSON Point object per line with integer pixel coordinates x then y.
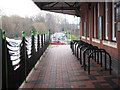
{"type": "Point", "coordinates": [0, 59]}
{"type": "Point", "coordinates": [23, 36]}
{"type": "Point", "coordinates": [5, 57]}
{"type": "Point", "coordinates": [37, 32]}
{"type": "Point", "coordinates": [67, 37]}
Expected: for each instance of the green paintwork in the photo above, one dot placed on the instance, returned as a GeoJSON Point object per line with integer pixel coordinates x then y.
{"type": "Point", "coordinates": [23, 34]}
{"type": "Point", "coordinates": [32, 33]}
{"type": "Point", "coordinates": [3, 34]}
{"type": "Point", "coordinates": [33, 68]}
{"type": "Point", "coordinates": [25, 81]}
{"type": "Point", "coordinates": [38, 32]}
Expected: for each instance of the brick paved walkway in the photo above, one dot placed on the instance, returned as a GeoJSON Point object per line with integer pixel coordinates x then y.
{"type": "Point", "coordinates": [60, 69]}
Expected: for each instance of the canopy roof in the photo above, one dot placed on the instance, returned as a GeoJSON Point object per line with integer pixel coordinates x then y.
{"type": "Point", "coordinates": [72, 8]}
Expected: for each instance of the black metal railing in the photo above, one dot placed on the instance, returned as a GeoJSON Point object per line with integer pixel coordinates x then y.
{"type": "Point", "coordinates": [84, 51]}
{"type": "Point", "coordinates": [18, 60]}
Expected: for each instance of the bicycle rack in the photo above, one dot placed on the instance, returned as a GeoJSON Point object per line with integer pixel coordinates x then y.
{"type": "Point", "coordinates": [71, 45]}
{"type": "Point", "coordinates": [85, 45]}
{"type": "Point", "coordinates": [93, 51]}
{"type": "Point", "coordinates": [75, 48]}
{"type": "Point", "coordinates": [74, 45]}
{"type": "Point", "coordinates": [81, 43]}
{"type": "Point", "coordinates": [106, 53]}
{"type": "Point", "coordinates": [89, 48]}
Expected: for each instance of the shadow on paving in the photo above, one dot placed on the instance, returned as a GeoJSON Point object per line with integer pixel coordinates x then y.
{"type": "Point", "coordinates": [60, 69]}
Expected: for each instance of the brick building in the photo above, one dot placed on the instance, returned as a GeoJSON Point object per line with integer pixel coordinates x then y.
{"type": "Point", "coordinates": [99, 26]}
{"type": "Point", "coordinates": [100, 22]}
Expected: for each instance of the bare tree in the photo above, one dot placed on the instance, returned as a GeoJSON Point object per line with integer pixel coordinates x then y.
{"type": "Point", "coordinates": [50, 22]}
{"type": "Point", "coordinates": [39, 18]}
{"type": "Point", "coordinates": [40, 26]}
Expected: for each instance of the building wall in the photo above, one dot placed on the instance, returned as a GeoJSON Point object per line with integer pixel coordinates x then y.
{"type": "Point", "coordinates": [112, 47]}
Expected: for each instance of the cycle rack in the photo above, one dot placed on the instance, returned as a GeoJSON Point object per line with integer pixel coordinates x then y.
{"type": "Point", "coordinates": [71, 45]}
{"type": "Point", "coordinates": [75, 42]}
{"type": "Point", "coordinates": [75, 48]}
{"type": "Point", "coordinates": [106, 53]}
{"type": "Point", "coordinates": [81, 43]}
{"type": "Point", "coordinates": [93, 51]}
{"type": "Point", "coordinates": [84, 53]}
{"type": "Point", "coordinates": [85, 45]}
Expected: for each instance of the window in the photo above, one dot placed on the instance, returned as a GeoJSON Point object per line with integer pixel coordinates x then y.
{"type": "Point", "coordinates": [118, 10]}
{"type": "Point", "coordinates": [88, 25]}
{"type": "Point", "coordinates": [98, 9]}
{"type": "Point", "coordinates": [113, 21]}
{"type": "Point", "coordinates": [94, 22]}
{"type": "Point", "coordinates": [85, 29]}
{"type": "Point", "coordinates": [106, 21]}
{"type": "Point", "coordinates": [98, 20]}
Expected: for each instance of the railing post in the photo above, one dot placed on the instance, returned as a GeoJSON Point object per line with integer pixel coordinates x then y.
{"type": "Point", "coordinates": [24, 56]}
{"type": "Point", "coordinates": [4, 62]}
{"type": "Point", "coordinates": [44, 38]}
{"type": "Point", "coordinates": [33, 49]}
{"type": "Point", "coordinates": [38, 44]}
{"type": "Point", "coordinates": [0, 59]}
{"type": "Point", "coordinates": [67, 37]}
{"type": "Point", "coordinates": [49, 35]}
{"type": "Point", "coordinates": [42, 42]}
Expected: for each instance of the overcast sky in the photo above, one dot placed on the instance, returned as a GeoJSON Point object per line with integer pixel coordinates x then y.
{"type": "Point", "coordinates": [27, 8]}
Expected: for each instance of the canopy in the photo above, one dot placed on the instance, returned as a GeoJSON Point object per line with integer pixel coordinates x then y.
{"type": "Point", "coordinates": [72, 8]}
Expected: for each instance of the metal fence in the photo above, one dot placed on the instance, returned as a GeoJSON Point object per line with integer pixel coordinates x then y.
{"type": "Point", "coordinates": [18, 60]}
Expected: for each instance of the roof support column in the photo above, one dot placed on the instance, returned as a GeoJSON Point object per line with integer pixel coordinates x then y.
{"type": "Point", "coordinates": [0, 59]}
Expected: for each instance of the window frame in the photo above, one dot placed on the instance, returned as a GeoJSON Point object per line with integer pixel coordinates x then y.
{"type": "Point", "coordinates": [85, 29]}
{"type": "Point", "coordinates": [98, 15]}
{"type": "Point", "coordinates": [113, 21]}
{"type": "Point", "coordinates": [94, 22]}
{"type": "Point", "coordinates": [106, 21]}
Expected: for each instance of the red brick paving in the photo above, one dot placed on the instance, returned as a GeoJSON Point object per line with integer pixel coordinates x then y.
{"type": "Point", "coordinates": [60, 69]}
